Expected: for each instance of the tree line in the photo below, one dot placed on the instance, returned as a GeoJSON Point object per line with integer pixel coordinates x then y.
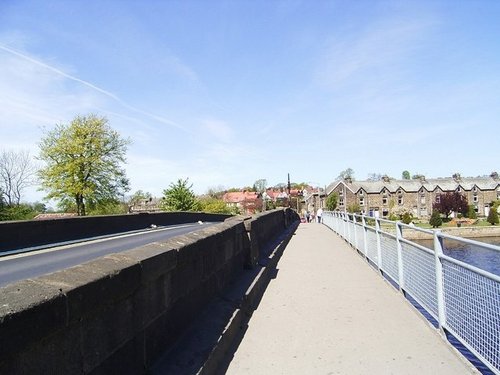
{"type": "Point", "coordinates": [82, 169]}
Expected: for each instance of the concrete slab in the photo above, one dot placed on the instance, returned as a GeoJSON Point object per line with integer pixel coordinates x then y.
{"type": "Point", "coordinates": [329, 312]}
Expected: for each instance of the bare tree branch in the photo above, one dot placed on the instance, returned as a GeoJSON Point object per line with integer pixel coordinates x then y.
{"type": "Point", "coordinates": [17, 172]}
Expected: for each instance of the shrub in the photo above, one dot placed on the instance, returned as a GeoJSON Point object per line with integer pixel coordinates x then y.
{"type": "Point", "coordinates": [407, 218]}
{"type": "Point", "coordinates": [354, 208]}
{"type": "Point", "coordinates": [493, 216]}
{"type": "Point", "coordinates": [435, 220]}
{"type": "Point", "coordinates": [471, 212]}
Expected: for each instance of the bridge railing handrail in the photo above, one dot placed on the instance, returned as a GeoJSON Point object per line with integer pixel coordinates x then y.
{"type": "Point", "coordinates": [462, 298]}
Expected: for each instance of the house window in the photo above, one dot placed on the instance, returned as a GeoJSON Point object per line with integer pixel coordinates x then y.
{"type": "Point", "coordinates": [361, 201]}
{"type": "Point", "coordinates": [384, 201]}
{"type": "Point", "coordinates": [438, 199]}
{"type": "Point", "coordinates": [422, 199]}
{"type": "Point", "coordinates": [400, 201]}
{"type": "Point", "coordinates": [474, 189]}
{"type": "Point", "coordinates": [361, 193]}
{"type": "Point", "coordinates": [341, 201]}
{"type": "Point", "coordinates": [475, 198]}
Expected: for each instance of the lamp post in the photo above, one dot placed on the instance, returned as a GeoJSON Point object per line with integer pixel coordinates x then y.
{"type": "Point", "coordinates": [289, 188]}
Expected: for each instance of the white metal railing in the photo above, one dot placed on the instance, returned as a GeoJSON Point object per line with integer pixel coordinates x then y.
{"type": "Point", "coordinates": [463, 299]}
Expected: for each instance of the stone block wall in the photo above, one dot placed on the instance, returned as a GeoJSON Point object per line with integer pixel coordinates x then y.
{"type": "Point", "coordinates": [117, 313]}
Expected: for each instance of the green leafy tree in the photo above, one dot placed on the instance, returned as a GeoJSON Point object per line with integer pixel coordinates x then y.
{"type": "Point", "coordinates": [20, 211]}
{"type": "Point", "coordinates": [2, 206]}
{"type": "Point", "coordinates": [471, 212]}
{"type": "Point", "coordinates": [39, 207]}
{"type": "Point", "coordinates": [270, 205]}
{"type": "Point", "coordinates": [180, 197]}
{"type": "Point", "coordinates": [139, 196]}
{"type": "Point", "coordinates": [332, 201]}
{"type": "Point", "coordinates": [435, 219]}
{"type": "Point", "coordinates": [83, 162]}
{"type": "Point", "coordinates": [495, 204]}
{"type": "Point", "coordinates": [216, 206]}
{"type": "Point", "coordinates": [492, 216]}
{"type": "Point", "coordinates": [406, 175]}
{"type": "Point", "coordinates": [111, 207]}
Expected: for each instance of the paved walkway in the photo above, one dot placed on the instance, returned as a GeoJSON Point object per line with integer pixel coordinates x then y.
{"type": "Point", "coordinates": [328, 312]}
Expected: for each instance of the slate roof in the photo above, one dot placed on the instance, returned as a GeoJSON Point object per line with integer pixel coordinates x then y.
{"type": "Point", "coordinates": [414, 185]}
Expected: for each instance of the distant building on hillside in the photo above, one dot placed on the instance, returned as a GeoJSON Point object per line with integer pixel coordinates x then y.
{"type": "Point", "coordinates": [278, 197]}
{"type": "Point", "coordinates": [146, 205]}
{"type": "Point", "coordinates": [314, 199]}
{"type": "Point", "coordinates": [247, 202]}
{"type": "Point", "coordinates": [380, 198]}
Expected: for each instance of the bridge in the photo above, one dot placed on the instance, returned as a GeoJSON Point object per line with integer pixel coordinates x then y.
{"type": "Point", "coordinates": [257, 295]}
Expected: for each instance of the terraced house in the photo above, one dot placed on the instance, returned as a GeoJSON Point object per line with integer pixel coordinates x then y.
{"type": "Point", "coordinates": [388, 195]}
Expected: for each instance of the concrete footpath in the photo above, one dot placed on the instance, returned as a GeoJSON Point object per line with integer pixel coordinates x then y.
{"type": "Point", "coordinates": [329, 312]}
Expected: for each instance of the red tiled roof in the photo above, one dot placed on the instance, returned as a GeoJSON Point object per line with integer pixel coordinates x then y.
{"type": "Point", "coordinates": [240, 196]}
{"type": "Point", "coordinates": [50, 216]}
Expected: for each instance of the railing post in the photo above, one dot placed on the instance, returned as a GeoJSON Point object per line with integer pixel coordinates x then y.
{"type": "Point", "coordinates": [346, 226]}
{"type": "Point", "coordinates": [365, 242]}
{"type": "Point", "coordinates": [438, 252]}
{"type": "Point", "coordinates": [379, 246]}
{"type": "Point", "coordinates": [354, 224]}
{"type": "Point", "coordinates": [399, 236]}
{"type": "Point", "coordinates": [349, 229]}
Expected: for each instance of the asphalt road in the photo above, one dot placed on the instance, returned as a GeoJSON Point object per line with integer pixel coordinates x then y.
{"type": "Point", "coordinates": [31, 264]}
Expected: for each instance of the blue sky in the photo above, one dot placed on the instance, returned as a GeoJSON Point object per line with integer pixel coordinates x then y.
{"type": "Point", "coordinates": [228, 92]}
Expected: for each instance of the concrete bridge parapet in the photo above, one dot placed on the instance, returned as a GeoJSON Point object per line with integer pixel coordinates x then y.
{"type": "Point", "coordinates": [116, 314]}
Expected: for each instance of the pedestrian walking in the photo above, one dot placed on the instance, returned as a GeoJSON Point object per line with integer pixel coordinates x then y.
{"type": "Point", "coordinates": [318, 214]}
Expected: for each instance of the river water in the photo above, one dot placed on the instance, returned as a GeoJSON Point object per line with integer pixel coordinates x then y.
{"type": "Point", "coordinates": [480, 257]}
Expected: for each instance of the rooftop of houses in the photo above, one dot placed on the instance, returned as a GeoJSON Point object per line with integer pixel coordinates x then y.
{"type": "Point", "coordinates": [491, 182]}
{"type": "Point", "coordinates": [54, 215]}
{"type": "Point", "coordinates": [239, 196]}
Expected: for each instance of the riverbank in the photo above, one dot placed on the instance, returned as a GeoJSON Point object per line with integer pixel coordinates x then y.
{"type": "Point", "coordinates": [465, 232]}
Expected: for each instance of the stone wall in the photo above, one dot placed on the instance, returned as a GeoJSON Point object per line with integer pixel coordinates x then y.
{"type": "Point", "coordinates": [116, 314]}
{"type": "Point", "coordinates": [30, 233]}
{"type": "Point", "coordinates": [464, 232]}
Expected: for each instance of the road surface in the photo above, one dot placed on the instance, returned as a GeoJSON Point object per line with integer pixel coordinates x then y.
{"type": "Point", "coordinates": [31, 264]}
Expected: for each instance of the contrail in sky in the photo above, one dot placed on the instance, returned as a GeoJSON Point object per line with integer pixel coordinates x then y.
{"type": "Point", "coordinates": [94, 87]}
